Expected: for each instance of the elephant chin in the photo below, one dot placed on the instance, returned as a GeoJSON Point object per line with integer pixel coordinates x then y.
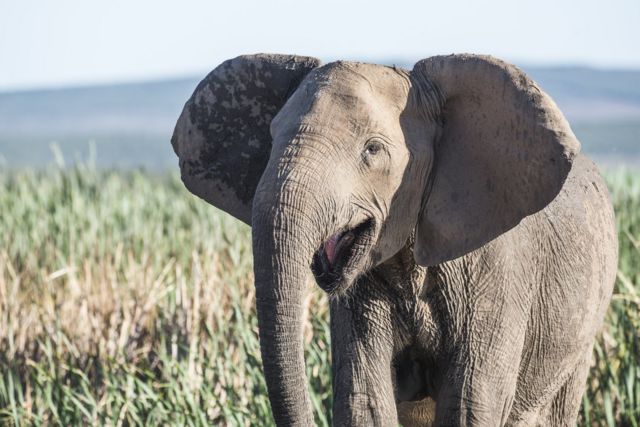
{"type": "Point", "coordinates": [346, 254]}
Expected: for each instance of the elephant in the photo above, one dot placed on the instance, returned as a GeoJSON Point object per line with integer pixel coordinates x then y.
{"type": "Point", "coordinates": [467, 247]}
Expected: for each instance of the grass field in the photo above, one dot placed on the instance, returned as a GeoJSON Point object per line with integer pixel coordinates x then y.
{"type": "Point", "coordinates": [126, 301]}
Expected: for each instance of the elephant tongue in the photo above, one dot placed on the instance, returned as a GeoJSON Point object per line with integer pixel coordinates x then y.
{"type": "Point", "coordinates": [330, 247]}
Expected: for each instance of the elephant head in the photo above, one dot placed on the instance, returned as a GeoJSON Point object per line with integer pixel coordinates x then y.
{"type": "Point", "coordinates": [336, 166]}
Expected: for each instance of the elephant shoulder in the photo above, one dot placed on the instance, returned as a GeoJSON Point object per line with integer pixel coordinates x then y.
{"type": "Point", "coordinates": [584, 201]}
{"type": "Point", "coordinates": [576, 232]}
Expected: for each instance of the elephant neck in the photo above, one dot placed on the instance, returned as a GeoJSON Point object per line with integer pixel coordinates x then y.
{"type": "Point", "coordinates": [409, 289]}
{"type": "Point", "coordinates": [401, 269]}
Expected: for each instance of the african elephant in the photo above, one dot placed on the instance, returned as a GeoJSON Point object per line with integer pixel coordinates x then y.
{"type": "Point", "coordinates": [468, 249]}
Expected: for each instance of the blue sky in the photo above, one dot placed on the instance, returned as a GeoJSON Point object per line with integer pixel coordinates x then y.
{"type": "Point", "coordinates": [67, 42]}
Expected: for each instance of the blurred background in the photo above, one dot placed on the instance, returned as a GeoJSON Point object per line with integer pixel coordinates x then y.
{"type": "Point", "coordinates": [114, 76]}
{"type": "Point", "coordinates": [125, 300]}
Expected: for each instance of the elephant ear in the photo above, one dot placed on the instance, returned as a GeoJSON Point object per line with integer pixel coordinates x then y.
{"type": "Point", "coordinates": [504, 152]}
{"type": "Point", "coordinates": [222, 136]}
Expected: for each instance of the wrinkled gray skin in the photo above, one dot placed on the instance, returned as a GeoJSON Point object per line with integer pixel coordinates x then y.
{"type": "Point", "coordinates": [476, 248]}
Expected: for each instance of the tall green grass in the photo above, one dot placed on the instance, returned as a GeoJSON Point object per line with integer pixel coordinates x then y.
{"type": "Point", "coordinates": [613, 391]}
{"type": "Point", "coordinates": [126, 301]}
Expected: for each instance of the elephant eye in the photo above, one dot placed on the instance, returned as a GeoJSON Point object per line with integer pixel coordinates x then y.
{"type": "Point", "coordinates": [372, 147]}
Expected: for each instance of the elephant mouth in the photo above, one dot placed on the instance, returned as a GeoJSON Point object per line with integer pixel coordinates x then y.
{"type": "Point", "coordinates": [338, 261]}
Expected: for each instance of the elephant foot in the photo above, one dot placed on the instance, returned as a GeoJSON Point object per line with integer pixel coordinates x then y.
{"type": "Point", "coordinates": [417, 413]}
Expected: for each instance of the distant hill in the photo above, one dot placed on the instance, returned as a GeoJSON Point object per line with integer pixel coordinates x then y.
{"type": "Point", "coordinates": [130, 124]}
{"type": "Point", "coordinates": [586, 94]}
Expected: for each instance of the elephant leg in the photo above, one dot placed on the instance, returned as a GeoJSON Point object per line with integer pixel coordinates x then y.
{"type": "Point", "coordinates": [362, 350]}
{"type": "Point", "coordinates": [479, 385]}
{"type": "Point", "coordinates": [566, 404]}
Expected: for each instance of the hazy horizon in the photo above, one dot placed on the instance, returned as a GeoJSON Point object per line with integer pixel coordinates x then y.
{"type": "Point", "coordinates": [199, 74]}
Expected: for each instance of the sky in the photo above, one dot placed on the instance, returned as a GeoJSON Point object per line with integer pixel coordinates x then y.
{"type": "Point", "coordinates": [47, 43]}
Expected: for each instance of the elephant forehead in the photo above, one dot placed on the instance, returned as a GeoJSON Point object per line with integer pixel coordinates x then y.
{"type": "Point", "coordinates": [349, 97]}
{"type": "Point", "coordinates": [367, 83]}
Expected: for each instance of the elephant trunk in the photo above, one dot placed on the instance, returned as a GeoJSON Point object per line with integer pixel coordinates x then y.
{"type": "Point", "coordinates": [283, 246]}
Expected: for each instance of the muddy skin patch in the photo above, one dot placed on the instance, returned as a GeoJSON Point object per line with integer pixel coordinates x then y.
{"type": "Point", "coordinates": [233, 108]}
